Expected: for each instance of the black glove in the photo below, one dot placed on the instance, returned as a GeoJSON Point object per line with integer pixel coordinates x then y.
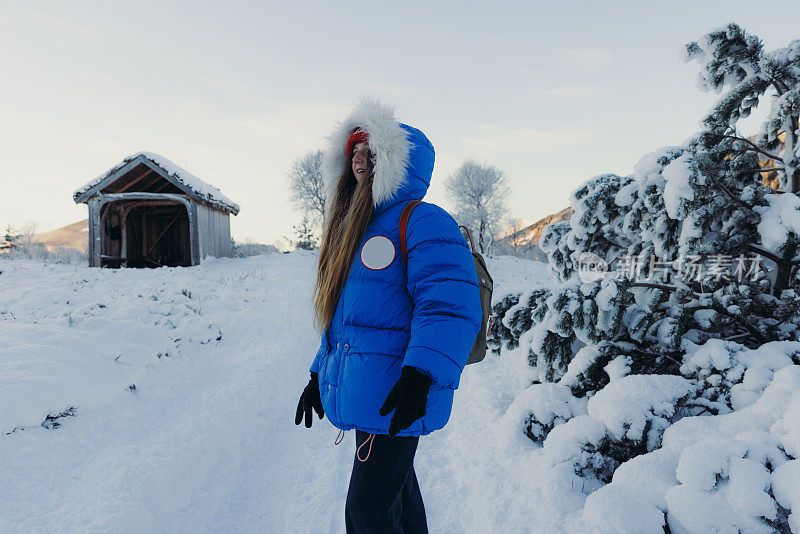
{"type": "Point", "coordinates": [408, 398]}
{"type": "Point", "coordinates": [309, 399]}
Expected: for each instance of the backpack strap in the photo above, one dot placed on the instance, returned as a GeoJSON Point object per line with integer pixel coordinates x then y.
{"type": "Point", "coordinates": [404, 226]}
{"type": "Point", "coordinates": [469, 234]}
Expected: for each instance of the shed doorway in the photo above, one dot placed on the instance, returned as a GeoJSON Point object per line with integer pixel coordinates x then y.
{"type": "Point", "coordinates": [145, 233]}
{"type": "Point", "coordinates": [158, 236]}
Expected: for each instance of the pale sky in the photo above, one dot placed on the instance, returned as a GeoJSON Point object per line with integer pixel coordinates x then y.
{"type": "Point", "coordinates": [551, 93]}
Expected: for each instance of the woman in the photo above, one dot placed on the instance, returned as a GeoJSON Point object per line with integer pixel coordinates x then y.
{"type": "Point", "coordinates": [395, 338]}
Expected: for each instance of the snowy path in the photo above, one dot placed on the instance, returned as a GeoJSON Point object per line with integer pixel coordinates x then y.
{"type": "Point", "coordinates": [206, 442]}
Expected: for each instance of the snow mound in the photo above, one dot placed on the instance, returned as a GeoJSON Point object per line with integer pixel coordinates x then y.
{"type": "Point", "coordinates": [627, 405]}
{"type": "Point", "coordinates": [547, 406]}
{"type": "Point", "coordinates": [780, 221]}
{"type": "Point", "coordinates": [734, 472]}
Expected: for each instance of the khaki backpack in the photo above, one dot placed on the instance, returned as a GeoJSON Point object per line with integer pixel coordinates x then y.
{"type": "Point", "coordinates": [485, 282]}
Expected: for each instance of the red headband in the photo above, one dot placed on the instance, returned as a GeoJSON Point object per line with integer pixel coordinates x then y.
{"type": "Point", "coordinates": [358, 136]}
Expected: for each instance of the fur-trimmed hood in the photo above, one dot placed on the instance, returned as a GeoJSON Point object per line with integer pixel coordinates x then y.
{"type": "Point", "coordinates": [403, 156]}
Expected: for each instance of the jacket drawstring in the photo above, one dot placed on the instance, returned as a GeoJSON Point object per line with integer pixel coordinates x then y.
{"type": "Point", "coordinates": [370, 439]}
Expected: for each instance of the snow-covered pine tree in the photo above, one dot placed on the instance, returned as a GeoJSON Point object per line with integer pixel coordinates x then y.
{"type": "Point", "coordinates": [305, 235]}
{"type": "Point", "coordinates": [696, 245]}
{"type": "Point", "coordinates": [12, 237]}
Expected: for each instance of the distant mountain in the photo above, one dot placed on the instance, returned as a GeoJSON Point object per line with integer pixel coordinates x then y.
{"type": "Point", "coordinates": [75, 235]}
{"type": "Point", "coordinates": [524, 243]}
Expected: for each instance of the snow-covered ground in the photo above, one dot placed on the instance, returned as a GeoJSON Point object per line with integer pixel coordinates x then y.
{"type": "Point", "coordinates": [164, 400]}
{"type": "Point", "coordinates": [218, 355]}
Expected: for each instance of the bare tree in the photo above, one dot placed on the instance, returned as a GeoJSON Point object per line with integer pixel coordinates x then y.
{"type": "Point", "coordinates": [480, 193]}
{"type": "Point", "coordinates": [514, 236]}
{"type": "Point", "coordinates": [27, 232]}
{"type": "Point", "coordinates": [308, 185]}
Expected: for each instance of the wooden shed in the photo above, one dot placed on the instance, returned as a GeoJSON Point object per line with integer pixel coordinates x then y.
{"type": "Point", "coordinates": [148, 212]}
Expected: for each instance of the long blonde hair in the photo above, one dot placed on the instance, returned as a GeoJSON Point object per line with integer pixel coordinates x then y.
{"type": "Point", "coordinates": [346, 224]}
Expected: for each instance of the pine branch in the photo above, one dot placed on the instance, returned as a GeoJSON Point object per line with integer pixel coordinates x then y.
{"type": "Point", "coordinates": [661, 286]}
{"type": "Point", "coordinates": [717, 307]}
{"type": "Point", "coordinates": [753, 248]}
{"type": "Point", "coordinates": [607, 240]}
{"type": "Point", "coordinates": [736, 336]}
{"type": "Point", "coordinates": [730, 195]}
{"type": "Point", "coordinates": [754, 146]}
{"type": "Point", "coordinates": [671, 359]}
{"type": "Point", "coordinates": [765, 170]}
{"type": "Point", "coordinates": [773, 326]}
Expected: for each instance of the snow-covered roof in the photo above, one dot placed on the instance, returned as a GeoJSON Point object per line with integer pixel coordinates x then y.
{"type": "Point", "coordinates": [181, 177]}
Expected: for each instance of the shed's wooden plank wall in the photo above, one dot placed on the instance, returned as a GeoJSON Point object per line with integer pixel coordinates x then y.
{"type": "Point", "coordinates": [214, 232]}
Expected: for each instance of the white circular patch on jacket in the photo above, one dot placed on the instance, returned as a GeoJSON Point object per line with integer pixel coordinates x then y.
{"type": "Point", "coordinates": [377, 253]}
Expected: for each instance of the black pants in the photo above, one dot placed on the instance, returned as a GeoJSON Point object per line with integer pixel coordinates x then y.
{"type": "Point", "coordinates": [384, 495]}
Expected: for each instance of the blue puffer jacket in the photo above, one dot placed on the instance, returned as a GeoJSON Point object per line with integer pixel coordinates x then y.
{"type": "Point", "coordinates": [426, 316]}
